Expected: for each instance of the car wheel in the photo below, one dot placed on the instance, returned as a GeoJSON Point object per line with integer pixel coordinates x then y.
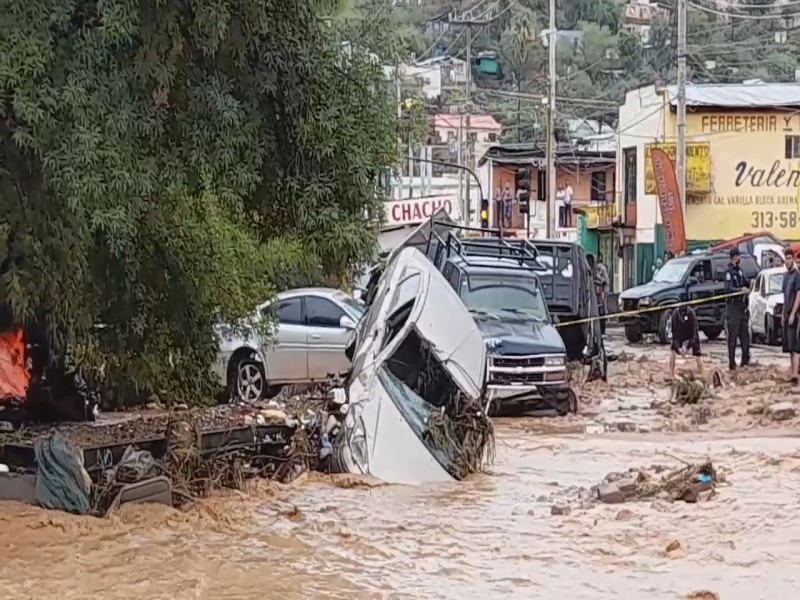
{"type": "Point", "coordinates": [633, 334]}
{"type": "Point", "coordinates": [665, 327]}
{"type": "Point", "coordinates": [251, 382]}
{"type": "Point", "coordinates": [713, 333]}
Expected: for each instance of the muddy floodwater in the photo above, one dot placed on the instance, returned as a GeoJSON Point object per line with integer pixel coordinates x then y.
{"type": "Point", "coordinates": [491, 537]}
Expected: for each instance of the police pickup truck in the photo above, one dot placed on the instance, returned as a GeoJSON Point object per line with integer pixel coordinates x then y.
{"type": "Point", "coordinates": [694, 277]}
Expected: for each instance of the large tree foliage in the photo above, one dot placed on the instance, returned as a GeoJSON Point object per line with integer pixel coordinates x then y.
{"type": "Point", "coordinates": [166, 163]}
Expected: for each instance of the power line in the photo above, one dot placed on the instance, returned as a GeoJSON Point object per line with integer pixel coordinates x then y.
{"type": "Point", "coordinates": [729, 14]}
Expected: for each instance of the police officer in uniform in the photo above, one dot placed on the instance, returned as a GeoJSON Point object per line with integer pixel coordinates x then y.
{"type": "Point", "coordinates": [737, 311]}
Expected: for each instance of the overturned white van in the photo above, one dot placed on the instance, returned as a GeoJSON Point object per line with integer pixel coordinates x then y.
{"type": "Point", "coordinates": [416, 388]}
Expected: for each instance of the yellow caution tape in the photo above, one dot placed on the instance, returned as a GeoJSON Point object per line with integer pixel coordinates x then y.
{"type": "Point", "coordinates": [660, 307]}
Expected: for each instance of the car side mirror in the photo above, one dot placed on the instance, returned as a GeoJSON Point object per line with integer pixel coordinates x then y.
{"type": "Point", "coordinates": [359, 295]}
{"type": "Point", "coordinates": [693, 280]}
{"type": "Point", "coordinates": [347, 323]}
{"type": "Point", "coordinates": [554, 319]}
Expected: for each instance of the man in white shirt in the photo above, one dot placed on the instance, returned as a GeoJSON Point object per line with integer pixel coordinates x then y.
{"type": "Point", "coordinates": [560, 204]}
{"type": "Point", "coordinates": [568, 206]}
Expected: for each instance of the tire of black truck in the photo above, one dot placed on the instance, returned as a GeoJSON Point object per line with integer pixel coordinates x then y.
{"type": "Point", "coordinates": [664, 333]}
{"type": "Point", "coordinates": [712, 333]}
{"type": "Point", "coordinates": [633, 334]}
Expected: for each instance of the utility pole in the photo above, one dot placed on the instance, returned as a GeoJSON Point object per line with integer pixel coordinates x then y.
{"type": "Point", "coordinates": [680, 155]}
{"type": "Point", "coordinates": [551, 118]}
{"type": "Point", "coordinates": [470, 148]}
{"type": "Point", "coordinates": [460, 160]}
{"type": "Point", "coordinates": [469, 22]}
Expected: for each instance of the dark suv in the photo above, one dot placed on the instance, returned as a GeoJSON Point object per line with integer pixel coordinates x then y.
{"type": "Point", "coordinates": [690, 277]}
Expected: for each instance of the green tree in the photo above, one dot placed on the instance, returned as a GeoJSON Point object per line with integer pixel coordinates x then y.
{"type": "Point", "coordinates": [166, 163]}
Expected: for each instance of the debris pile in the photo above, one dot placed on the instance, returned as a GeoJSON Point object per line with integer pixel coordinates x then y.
{"type": "Point", "coordinates": [462, 432]}
{"type": "Point", "coordinates": [688, 388]}
{"type": "Point", "coordinates": [690, 483]}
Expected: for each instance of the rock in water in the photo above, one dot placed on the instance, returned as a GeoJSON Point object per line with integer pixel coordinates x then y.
{"type": "Point", "coordinates": [609, 493]}
{"type": "Point", "coordinates": [782, 411]}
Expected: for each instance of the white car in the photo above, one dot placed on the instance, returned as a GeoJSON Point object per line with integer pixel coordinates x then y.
{"type": "Point", "coordinates": [766, 305]}
{"type": "Point", "coordinates": [418, 354]}
{"type": "Point", "coordinates": [313, 326]}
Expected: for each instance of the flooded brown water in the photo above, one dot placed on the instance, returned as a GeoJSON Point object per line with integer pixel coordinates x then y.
{"type": "Point", "coordinates": [492, 536]}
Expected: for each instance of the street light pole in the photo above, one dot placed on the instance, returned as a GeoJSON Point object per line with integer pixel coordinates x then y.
{"type": "Point", "coordinates": [680, 155]}
{"type": "Point", "coordinates": [551, 115]}
{"type": "Point", "coordinates": [443, 163]}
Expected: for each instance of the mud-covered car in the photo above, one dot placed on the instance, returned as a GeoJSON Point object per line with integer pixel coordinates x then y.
{"type": "Point", "coordinates": [415, 392]}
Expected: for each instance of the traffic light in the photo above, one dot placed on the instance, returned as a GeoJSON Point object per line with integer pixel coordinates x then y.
{"type": "Point", "coordinates": [484, 213]}
{"type": "Point", "coordinates": [523, 190]}
{"type": "Point", "coordinates": [541, 185]}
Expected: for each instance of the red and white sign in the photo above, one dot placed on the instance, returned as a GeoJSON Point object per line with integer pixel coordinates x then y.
{"type": "Point", "coordinates": [416, 210]}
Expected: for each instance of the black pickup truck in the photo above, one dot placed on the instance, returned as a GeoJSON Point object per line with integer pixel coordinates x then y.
{"type": "Point", "coordinates": [690, 277]}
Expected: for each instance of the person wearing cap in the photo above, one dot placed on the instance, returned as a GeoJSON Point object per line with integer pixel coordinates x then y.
{"type": "Point", "coordinates": [737, 287]}
{"type": "Point", "coordinates": [791, 309]}
{"type": "Point", "coordinates": [685, 332]}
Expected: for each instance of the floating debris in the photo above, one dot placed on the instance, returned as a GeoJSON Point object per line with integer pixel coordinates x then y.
{"type": "Point", "coordinates": [690, 483]}
{"type": "Point", "coordinates": [703, 595]}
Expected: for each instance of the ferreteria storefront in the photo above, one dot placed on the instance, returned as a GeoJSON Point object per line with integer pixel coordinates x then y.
{"type": "Point", "coordinates": [742, 163]}
{"type": "Point", "coordinates": [754, 163]}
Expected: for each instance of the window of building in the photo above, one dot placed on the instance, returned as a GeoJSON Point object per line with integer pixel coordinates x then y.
{"type": "Point", "coordinates": [492, 137]}
{"type": "Point", "coordinates": [322, 313]}
{"type": "Point", "coordinates": [629, 175]}
{"type": "Point", "coordinates": [793, 146]}
{"type": "Point", "coordinates": [598, 193]}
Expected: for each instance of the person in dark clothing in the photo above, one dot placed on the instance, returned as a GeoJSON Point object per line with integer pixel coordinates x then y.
{"type": "Point", "coordinates": [791, 303]}
{"type": "Point", "coordinates": [684, 332]}
{"type": "Point", "coordinates": [736, 310]}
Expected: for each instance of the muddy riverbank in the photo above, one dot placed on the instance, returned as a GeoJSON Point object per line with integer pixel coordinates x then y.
{"type": "Point", "coordinates": [493, 535]}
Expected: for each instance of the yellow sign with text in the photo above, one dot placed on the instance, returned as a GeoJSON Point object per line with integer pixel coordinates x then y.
{"type": "Point", "coordinates": [698, 166]}
{"type": "Point", "coordinates": [599, 215]}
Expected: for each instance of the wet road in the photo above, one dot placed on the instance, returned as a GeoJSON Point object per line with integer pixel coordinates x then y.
{"type": "Point", "coordinates": [493, 536]}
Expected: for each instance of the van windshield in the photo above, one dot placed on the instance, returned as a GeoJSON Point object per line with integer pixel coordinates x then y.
{"type": "Point", "coordinates": [672, 272]}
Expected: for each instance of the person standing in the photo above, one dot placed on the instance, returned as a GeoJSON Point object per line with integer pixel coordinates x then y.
{"type": "Point", "coordinates": [560, 205]}
{"type": "Point", "coordinates": [685, 331]}
{"type": "Point", "coordinates": [506, 199]}
{"type": "Point", "coordinates": [791, 303]}
{"type": "Point", "coordinates": [603, 285]}
{"type": "Point", "coordinates": [568, 205]}
{"type": "Point", "coordinates": [736, 310]}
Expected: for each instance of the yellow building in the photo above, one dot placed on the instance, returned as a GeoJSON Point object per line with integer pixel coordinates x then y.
{"type": "Point", "coordinates": [743, 158]}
